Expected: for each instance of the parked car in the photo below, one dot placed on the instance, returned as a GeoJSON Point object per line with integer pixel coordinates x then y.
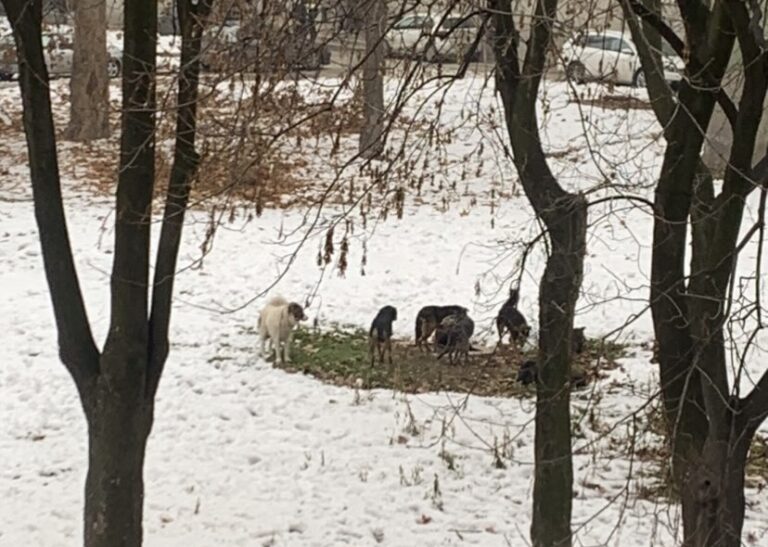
{"type": "Point", "coordinates": [422, 36]}
{"type": "Point", "coordinates": [611, 56]}
{"type": "Point", "coordinates": [409, 37]}
{"type": "Point", "coordinates": [234, 46]}
{"type": "Point", "coordinates": [58, 52]}
{"type": "Point", "coordinates": [454, 36]}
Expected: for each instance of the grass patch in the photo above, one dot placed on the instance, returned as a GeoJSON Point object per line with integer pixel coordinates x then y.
{"type": "Point", "coordinates": [340, 357]}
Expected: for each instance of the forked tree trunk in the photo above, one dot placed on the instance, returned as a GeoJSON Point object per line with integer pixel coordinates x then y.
{"type": "Point", "coordinates": [372, 134]}
{"type": "Point", "coordinates": [89, 83]}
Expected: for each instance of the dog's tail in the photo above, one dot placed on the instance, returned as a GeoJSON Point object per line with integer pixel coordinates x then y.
{"type": "Point", "coordinates": [277, 301]}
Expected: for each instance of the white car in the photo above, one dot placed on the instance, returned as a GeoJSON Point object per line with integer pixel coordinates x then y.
{"type": "Point", "coordinates": [409, 37]}
{"type": "Point", "coordinates": [58, 52]}
{"type": "Point", "coordinates": [611, 56]}
{"type": "Point", "coordinates": [420, 35]}
{"type": "Point", "coordinates": [455, 35]}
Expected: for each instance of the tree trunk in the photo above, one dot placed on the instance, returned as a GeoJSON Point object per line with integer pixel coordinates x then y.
{"type": "Point", "coordinates": [565, 216]}
{"type": "Point", "coordinates": [118, 427]}
{"type": "Point", "coordinates": [89, 83]}
{"type": "Point", "coordinates": [552, 489]}
{"type": "Point", "coordinates": [371, 136]}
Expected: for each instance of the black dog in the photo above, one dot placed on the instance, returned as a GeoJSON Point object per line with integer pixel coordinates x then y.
{"type": "Point", "coordinates": [511, 320]}
{"type": "Point", "coordinates": [429, 317]}
{"type": "Point", "coordinates": [380, 335]}
{"type": "Point", "coordinates": [527, 373]}
{"type": "Point", "coordinates": [452, 336]}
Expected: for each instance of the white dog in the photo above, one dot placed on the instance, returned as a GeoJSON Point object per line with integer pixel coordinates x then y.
{"type": "Point", "coordinates": [276, 323]}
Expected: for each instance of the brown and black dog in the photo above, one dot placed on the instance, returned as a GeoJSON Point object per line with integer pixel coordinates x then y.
{"type": "Point", "coordinates": [429, 317]}
{"type": "Point", "coordinates": [512, 321]}
{"type": "Point", "coordinates": [380, 335]}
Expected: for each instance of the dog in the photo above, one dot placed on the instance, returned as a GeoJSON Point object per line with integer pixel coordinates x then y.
{"type": "Point", "coordinates": [429, 317]}
{"type": "Point", "coordinates": [528, 372]}
{"type": "Point", "coordinates": [380, 335]}
{"type": "Point", "coordinates": [453, 335]}
{"type": "Point", "coordinates": [512, 321]}
{"type": "Point", "coordinates": [276, 324]}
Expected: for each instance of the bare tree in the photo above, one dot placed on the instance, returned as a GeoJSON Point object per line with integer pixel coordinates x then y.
{"type": "Point", "coordinates": [89, 83]}
{"type": "Point", "coordinates": [710, 424]}
{"type": "Point", "coordinates": [565, 217]}
{"type": "Point", "coordinates": [117, 385]}
{"type": "Point", "coordinates": [371, 135]}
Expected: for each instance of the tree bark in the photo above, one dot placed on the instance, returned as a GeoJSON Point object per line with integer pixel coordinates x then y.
{"type": "Point", "coordinates": [711, 430]}
{"type": "Point", "coordinates": [185, 161]}
{"type": "Point", "coordinates": [372, 134]}
{"type": "Point", "coordinates": [565, 216]}
{"type": "Point", "coordinates": [89, 82]}
{"type": "Point", "coordinates": [118, 426]}
{"type": "Point", "coordinates": [77, 348]}
{"type": "Point", "coordinates": [559, 289]}
{"type": "Point", "coordinates": [118, 386]}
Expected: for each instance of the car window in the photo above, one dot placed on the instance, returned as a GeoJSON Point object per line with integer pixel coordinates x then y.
{"type": "Point", "coordinates": [413, 22]}
{"type": "Point", "coordinates": [596, 42]}
{"type": "Point", "coordinates": [666, 49]}
{"type": "Point", "coordinates": [625, 47]}
{"type": "Point", "coordinates": [458, 22]}
{"type": "Point", "coordinates": [612, 44]}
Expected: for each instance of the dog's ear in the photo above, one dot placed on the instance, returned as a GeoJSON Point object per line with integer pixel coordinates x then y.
{"type": "Point", "coordinates": [296, 311]}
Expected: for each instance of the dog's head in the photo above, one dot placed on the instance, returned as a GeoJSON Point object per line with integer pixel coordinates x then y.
{"type": "Point", "coordinates": [296, 311]}
{"type": "Point", "coordinates": [389, 313]}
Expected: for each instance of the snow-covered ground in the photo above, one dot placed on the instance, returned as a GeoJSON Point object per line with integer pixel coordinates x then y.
{"type": "Point", "coordinates": [244, 454]}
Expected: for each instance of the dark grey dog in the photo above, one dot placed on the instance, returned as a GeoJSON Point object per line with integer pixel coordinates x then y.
{"type": "Point", "coordinates": [429, 318]}
{"type": "Point", "coordinates": [380, 335]}
{"type": "Point", "coordinates": [452, 336]}
{"type": "Point", "coordinates": [510, 320]}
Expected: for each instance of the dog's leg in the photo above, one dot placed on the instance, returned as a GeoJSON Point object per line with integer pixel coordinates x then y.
{"type": "Point", "coordinates": [277, 346]}
{"type": "Point", "coordinates": [287, 349]}
{"type": "Point", "coordinates": [372, 349]}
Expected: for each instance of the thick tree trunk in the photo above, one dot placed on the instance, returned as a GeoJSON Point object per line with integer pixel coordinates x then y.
{"type": "Point", "coordinates": [371, 136]}
{"type": "Point", "coordinates": [565, 216]}
{"type": "Point", "coordinates": [118, 427]}
{"type": "Point", "coordinates": [552, 490]}
{"type": "Point", "coordinates": [89, 83]}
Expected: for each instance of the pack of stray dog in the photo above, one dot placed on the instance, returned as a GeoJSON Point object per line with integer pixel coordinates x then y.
{"type": "Point", "coordinates": [451, 326]}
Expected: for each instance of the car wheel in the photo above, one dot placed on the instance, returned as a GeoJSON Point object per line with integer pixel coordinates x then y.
{"type": "Point", "coordinates": [113, 68]}
{"type": "Point", "coordinates": [5, 76]}
{"type": "Point", "coordinates": [639, 80]}
{"type": "Point", "coordinates": [576, 72]}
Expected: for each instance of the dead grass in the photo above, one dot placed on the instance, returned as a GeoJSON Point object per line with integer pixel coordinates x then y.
{"type": "Point", "coordinates": [340, 357]}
